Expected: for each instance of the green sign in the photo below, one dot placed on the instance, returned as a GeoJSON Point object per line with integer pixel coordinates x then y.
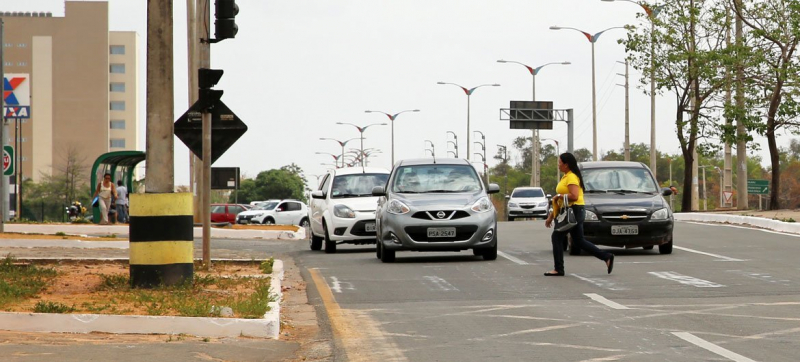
{"type": "Point", "coordinates": [758, 187]}
{"type": "Point", "coordinates": [8, 161]}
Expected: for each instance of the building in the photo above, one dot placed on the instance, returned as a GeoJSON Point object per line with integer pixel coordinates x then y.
{"type": "Point", "coordinates": [83, 86]}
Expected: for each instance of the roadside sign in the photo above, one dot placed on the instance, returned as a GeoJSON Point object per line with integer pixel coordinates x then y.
{"type": "Point", "coordinates": [8, 160]}
{"type": "Point", "coordinates": [728, 195]}
{"type": "Point", "coordinates": [758, 187]}
{"type": "Point", "coordinates": [226, 128]}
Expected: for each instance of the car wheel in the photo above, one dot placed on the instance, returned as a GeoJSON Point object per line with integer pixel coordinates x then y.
{"type": "Point", "coordinates": [315, 242]}
{"type": "Point", "coordinates": [490, 253]}
{"type": "Point", "coordinates": [330, 245]}
{"type": "Point", "coordinates": [387, 256]}
{"type": "Point", "coordinates": [666, 248]}
{"type": "Point", "coordinates": [304, 223]}
{"type": "Point", "coordinates": [268, 221]}
{"type": "Point", "coordinates": [378, 250]}
{"type": "Point", "coordinates": [648, 247]}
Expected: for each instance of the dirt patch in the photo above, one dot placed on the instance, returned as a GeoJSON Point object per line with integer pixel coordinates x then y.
{"type": "Point", "coordinates": [25, 236]}
{"type": "Point", "coordinates": [101, 288]}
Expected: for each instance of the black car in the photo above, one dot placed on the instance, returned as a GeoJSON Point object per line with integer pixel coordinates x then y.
{"type": "Point", "coordinates": [625, 207]}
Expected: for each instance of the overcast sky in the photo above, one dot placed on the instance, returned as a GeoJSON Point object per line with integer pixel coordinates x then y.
{"type": "Point", "coordinates": [297, 67]}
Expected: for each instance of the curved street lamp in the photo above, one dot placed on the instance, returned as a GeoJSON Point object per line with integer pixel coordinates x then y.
{"type": "Point", "coordinates": [361, 131]}
{"type": "Point", "coordinates": [592, 39]}
{"type": "Point", "coordinates": [468, 92]}
{"type": "Point", "coordinates": [392, 117]}
{"type": "Point", "coordinates": [433, 148]}
{"type": "Point", "coordinates": [535, 143]}
{"type": "Point", "coordinates": [341, 143]}
{"type": "Point", "coordinates": [651, 12]}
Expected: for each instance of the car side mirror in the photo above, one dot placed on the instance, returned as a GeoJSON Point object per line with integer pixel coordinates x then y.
{"type": "Point", "coordinates": [493, 189]}
{"type": "Point", "coordinates": [549, 196]}
{"type": "Point", "coordinates": [666, 191]}
{"type": "Point", "coordinates": [318, 195]}
{"type": "Point", "coordinates": [378, 191]}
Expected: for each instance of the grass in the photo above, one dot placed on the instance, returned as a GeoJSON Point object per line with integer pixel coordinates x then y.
{"type": "Point", "coordinates": [61, 233]}
{"type": "Point", "coordinates": [20, 281]}
{"type": "Point", "coordinates": [52, 307]}
{"type": "Point", "coordinates": [266, 265]}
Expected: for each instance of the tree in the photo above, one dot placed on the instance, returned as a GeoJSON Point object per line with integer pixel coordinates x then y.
{"type": "Point", "coordinates": [284, 183]}
{"type": "Point", "coordinates": [776, 31]}
{"type": "Point", "coordinates": [687, 54]}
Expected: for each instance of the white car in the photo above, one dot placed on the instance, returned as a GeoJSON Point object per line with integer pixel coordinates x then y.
{"type": "Point", "coordinates": [284, 212]}
{"type": "Point", "coordinates": [527, 202]}
{"type": "Point", "coordinates": [342, 208]}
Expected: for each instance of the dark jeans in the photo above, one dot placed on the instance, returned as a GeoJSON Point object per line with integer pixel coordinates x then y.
{"type": "Point", "coordinates": [559, 239]}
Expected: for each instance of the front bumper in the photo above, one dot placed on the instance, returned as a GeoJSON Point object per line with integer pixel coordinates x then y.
{"type": "Point", "coordinates": [519, 211]}
{"type": "Point", "coordinates": [650, 233]}
{"type": "Point", "coordinates": [404, 232]}
{"type": "Point", "coordinates": [353, 230]}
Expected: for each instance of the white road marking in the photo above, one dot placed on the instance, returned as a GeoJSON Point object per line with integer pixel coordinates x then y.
{"type": "Point", "coordinates": [762, 277]}
{"type": "Point", "coordinates": [436, 283]}
{"type": "Point", "coordinates": [514, 259]}
{"type": "Point", "coordinates": [527, 331]}
{"type": "Point", "coordinates": [337, 285]}
{"type": "Point", "coordinates": [685, 279]}
{"type": "Point", "coordinates": [711, 347]}
{"type": "Point", "coordinates": [602, 283]}
{"type": "Point", "coordinates": [723, 258]}
{"type": "Point", "coordinates": [602, 300]}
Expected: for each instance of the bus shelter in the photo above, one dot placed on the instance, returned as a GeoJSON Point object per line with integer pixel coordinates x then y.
{"type": "Point", "coordinates": [120, 164]}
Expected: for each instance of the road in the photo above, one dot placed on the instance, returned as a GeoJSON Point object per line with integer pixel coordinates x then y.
{"type": "Point", "coordinates": [725, 294]}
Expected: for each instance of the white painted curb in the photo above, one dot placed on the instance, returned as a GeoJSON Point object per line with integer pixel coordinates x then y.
{"type": "Point", "coordinates": [760, 222]}
{"type": "Point", "coordinates": [267, 327]}
{"type": "Point", "coordinates": [81, 229]}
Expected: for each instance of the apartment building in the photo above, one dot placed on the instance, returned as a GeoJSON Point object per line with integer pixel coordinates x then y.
{"type": "Point", "coordinates": [83, 86]}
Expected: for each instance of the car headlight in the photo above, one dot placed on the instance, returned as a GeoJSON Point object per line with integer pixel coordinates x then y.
{"type": "Point", "coordinates": [512, 204]}
{"type": "Point", "coordinates": [590, 216]}
{"type": "Point", "coordinates": [343, 211]}
{"type": "Point", "coordinates": [260, 214]}
{"type": "Point", "coordinates": [482, 205]}
{"type": "Point", "coordinates": [397, 207]}
{"type": "Point", "coordinates": [543, 204]}
{"type": "Point", "coordinates": [660, 214]}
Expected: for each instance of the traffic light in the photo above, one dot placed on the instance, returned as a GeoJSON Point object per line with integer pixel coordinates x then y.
{"type": "Point", "coordinates": [225, 24]}
{"type": "Point", "coordinates": [207, 79]}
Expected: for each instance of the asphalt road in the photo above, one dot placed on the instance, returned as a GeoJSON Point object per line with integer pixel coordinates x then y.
{"type": "Point", "coordinates": [725, 294]}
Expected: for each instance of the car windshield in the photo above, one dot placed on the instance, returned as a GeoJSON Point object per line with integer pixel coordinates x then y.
{"type": "Point", "coordinates": [528, 193]}
{"type": "Point", "coordinates": [355, 185]}
{"type": "Point", "coordinates": [436, 178]}
{"type": "Point", "coordinates": [265, 206]}
{"type": "Point", "coordinates": [618, 179]}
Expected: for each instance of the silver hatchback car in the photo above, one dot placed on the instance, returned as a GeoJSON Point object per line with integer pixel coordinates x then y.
{"type": "Point", "coordinates": [435, 205]}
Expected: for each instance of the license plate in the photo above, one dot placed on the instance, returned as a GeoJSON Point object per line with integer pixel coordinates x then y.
{"type": "Point", "coordinates": [441, 232]}
{"type": "Point", "coordinates": [528, 211]}
{"type": "Point", "coordinates": [624, 230]}
{"type": "Point", "coordinates": [369, 227]}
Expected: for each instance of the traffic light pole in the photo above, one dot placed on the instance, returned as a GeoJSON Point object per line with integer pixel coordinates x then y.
{"type": "Point", "coordinates": [205, 62]}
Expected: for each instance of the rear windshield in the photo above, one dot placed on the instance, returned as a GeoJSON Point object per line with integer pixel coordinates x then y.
{"type": "Point", "coordinates": [610, 179]}
{"type": "Point", "coordinates": [528, 193]}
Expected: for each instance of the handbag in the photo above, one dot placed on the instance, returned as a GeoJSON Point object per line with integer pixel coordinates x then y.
{"type": "Point", "coordinates": [96, 201]}
{"type": "Point", "coordinates": [565, 219]}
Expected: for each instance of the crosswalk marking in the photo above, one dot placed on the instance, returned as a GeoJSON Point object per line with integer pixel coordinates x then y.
{"type": "Point", "coordinates": [697, 341]}
{"type": "Point", "coordinates": [438, 284]}
{"type": "Point", "coordinates": [512, 258]}
{"type": "Point", "coordinates": [685, 279]}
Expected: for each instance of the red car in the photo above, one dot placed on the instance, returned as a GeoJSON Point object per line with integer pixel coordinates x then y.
{"type": "Point", "coordinates": [226, 212]}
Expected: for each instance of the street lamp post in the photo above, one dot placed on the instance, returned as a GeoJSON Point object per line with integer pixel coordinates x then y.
{"type": "Point", "coordinates": [361, 131]}
{"type": "Point", "coordinates": [454, 142]}
{"type": "Point", "coordinates": [335, 157]}
{"type": "Point", "coordinates": [392, 117]}
{"type": "Point", "coordinates": [341, 143]}
{"type": "Point", "coordinates": [592, 39]}
{"type": "Point", "coordinates": [535, 141]}
{"type": "Point", "coordinates": [651, 12]}
{"type": "Point", "coordinates": [468, 92]}
{"type": "Point", "coordinates": [433, 148]}
{"type": "Point", "coordinates": [483, 146]}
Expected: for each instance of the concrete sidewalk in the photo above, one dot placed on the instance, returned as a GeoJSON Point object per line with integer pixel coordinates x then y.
{"type": "Point", "coordinates": [775, 220]}
{"type": "Point", "coordinates": [122, 230]}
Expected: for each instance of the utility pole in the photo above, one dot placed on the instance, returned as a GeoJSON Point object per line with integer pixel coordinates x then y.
{"type": "Point", "coordinates": [204, 29]}
{"type": "Point", "coordinates": [727, 184]}
{"type": "Point", "coordinates": [741, 132]}
{"type": "Point", "coordinates": [192, 31]}
{"type": "Point", "coordinates": [160, 102]}
{"type": "Point", "coordinates": [627, 113]}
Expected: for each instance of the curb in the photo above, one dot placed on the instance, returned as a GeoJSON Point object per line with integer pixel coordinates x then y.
{"type": "Point", "coordinates": [267, 327]}
{"type": "Point", "coordinates": [759, 222]}
{"type": "Point", "coordinates": [300, 234]}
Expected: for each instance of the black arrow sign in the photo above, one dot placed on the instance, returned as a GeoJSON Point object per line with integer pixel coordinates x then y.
{"type": "Point", "coordinates": [226, 129]}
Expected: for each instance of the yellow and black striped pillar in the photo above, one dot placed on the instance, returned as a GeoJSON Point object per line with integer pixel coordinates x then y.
{"type": "Point", "coordinates": [161, 240]}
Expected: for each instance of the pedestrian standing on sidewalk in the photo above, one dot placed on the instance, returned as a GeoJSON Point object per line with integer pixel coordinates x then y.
{"type": "Point", "coordinates": [122, 202]}
{"type": "Point", "coordinates": [571, 184]}
{"type": "Point", "coordinates": [105, 191]}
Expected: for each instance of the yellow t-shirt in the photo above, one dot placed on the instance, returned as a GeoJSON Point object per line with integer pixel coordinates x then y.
{"type": "Point", "coordinates": [563, 188]}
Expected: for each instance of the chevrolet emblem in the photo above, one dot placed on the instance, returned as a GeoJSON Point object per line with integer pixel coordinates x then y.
{"type": "Point", "coordinates": [624, 217]}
